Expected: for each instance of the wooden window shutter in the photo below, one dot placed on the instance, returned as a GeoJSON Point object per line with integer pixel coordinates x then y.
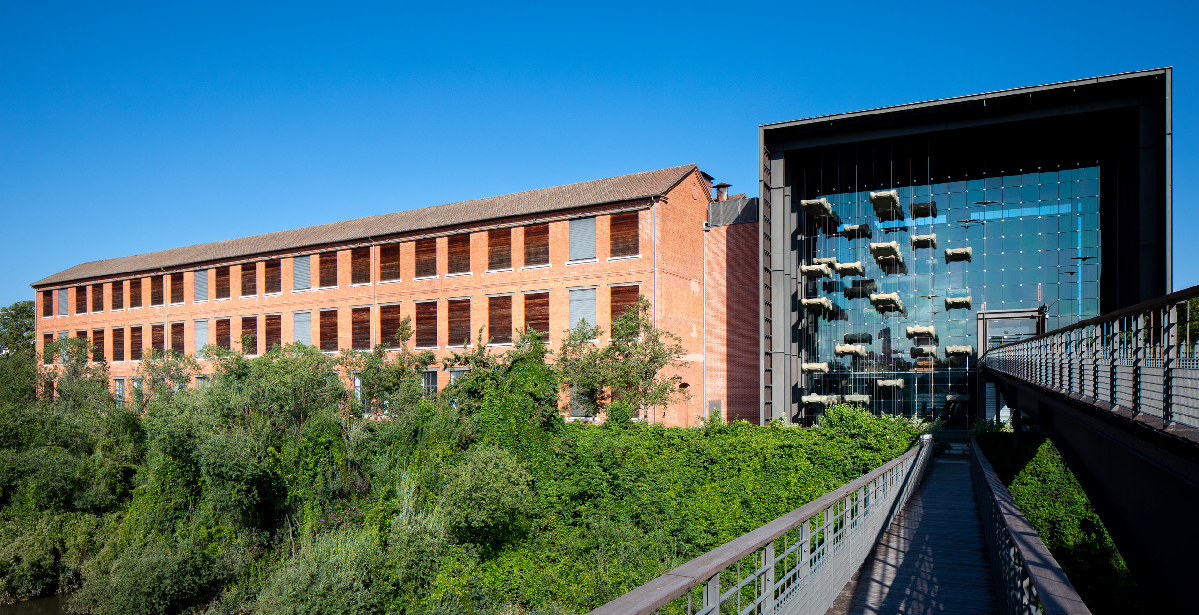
{"type": "Point", "coordinates": [200, 285]}
{"type": "Point", "coordinates": [176, 288]}
{"type": "Point", "coordinates": [273, 277]}
{"type": "Point", "coordinates": [47, 356]}
{"type": "Point", "coordinates": [47, 303]}
{"type": "Point", "coordinates": [224, 333]}
{"type": "Point", "coordinates": [98, 345]}
{"type": "Point", "coordinates": [360, 328]}
{"type": "Point", "coordinates": [328, 327]}
{"type": "Point", "coordinates": [328, 269]}
{"type": "Point", "coordinates": [302, 327]}
{"type": "Point", "coordinates": [81, 334]}
{"type": "Point", "coordinates": [582, 306]}
{"type": "Point", "coordinates": [499, 249]}
{"type": "Point", "coordinates": [622, 298]}
{"type": "Point", "coordinates": [80, 300]}
{"type": "Point", "coordinates": [499, 319]}
{"type": "Point", "coordinates": [249, 328]}
{"type": "Point", "coordinates": [537, 312]}
{"type": "Point", "coordinates": [118, 295]}
{"type": "Point", "coordinates": [156, 296]}
{"type": "Point", "coordinates": [177, 338]}
{"type": "Point", "coordinates": [389, 262]}
{"type": "Point", "coordinates": [459, 254]}
{"type": "Point", "coordinates": [118, 344]}
{"type": "Point", "coordinates": [624, 234]}
{"type": "Point", "coordinates": [222, 282]}
{"type": "Point", "coordinates": [301, 275]}
{"type": "Point", "coordinates": [249, 279]}
{"type": "Point", "coordinates": [426, 324]}
{"type": "Point", "coordinates": [360, 266]}
{"type": "Point", "coordinates": [97, 297]}
{"type": "Point", "coordinates": [158, 337]}
{"type": "Point", "coordinates": [273, 331]}
{"type": "Point", "coordinates": [582, 239]}
{"type": "Point", "coordinates": [426, 258]}
{"type": "Point", "coordinates": [136, 344]}
{"type": "Point", "coordinates": [537, 245]}
{"type": "Point", "coordinates": [458, 311]}
{"type": "Point", "coordinates": [389, 324]}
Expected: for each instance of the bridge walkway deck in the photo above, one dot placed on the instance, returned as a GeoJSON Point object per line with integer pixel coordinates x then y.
{"type": "Point", "coordinates": [933, 558]}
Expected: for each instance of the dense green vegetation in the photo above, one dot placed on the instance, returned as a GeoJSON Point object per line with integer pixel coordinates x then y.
{"type": "Point", "coordinates": [275, 490]}
{"type": "Point", "coordinates": [1054, 503]}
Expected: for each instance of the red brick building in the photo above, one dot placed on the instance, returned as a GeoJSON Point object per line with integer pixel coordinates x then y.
{"type": "Point", "coordinates": [544, 258]}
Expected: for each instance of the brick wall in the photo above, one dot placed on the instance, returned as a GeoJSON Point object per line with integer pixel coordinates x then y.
{"type": "Point", "coordinates": [732, 303]}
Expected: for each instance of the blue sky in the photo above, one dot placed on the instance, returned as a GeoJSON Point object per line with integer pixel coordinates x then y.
{"type": "Point", "coordinates": [131, 128]}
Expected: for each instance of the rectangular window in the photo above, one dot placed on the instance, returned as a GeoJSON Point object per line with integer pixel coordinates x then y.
{"type": "Point", "coordinates": [499, 319]}
{"type": "Point", "coordinates": [224, 333]}
{"type": "Point", "coordinates": [158, 337]}
{"type": "Point", "coordinates": [118, 390]}
{"type": "Point", "coordinates": [201, 382]}
{"type": "Point", "coordinates": [249, 328]}
{"type": "Point", "coordinates": [537, 312]}
{"type": "Point", "coordinates": [176, 288]}
{"type": "Point", "coordinates": [582, 306]}
{"type": "Point", "coordinates": [223, 286]}
{"type": "Point", "coordinates": [135, 343]}
{"type": "Point", "coordinates": [537, 245]}
{"type": "Point", "coordinates": [360, 266]}
{"type": "Point", "coordinates": [80, 300]}
{"type": "Point", "coordinates": [458, 311]}
{"type": "Point", "coordinates": [156, 296]}
{"type": "Point", "coordinates": [47, 303]}
{"type": "Point", "coordinates": [135, 293]}
{"type": "Point", "coordinates": [118, 295]}
{"type": "Point", "coordinates": [98, 345]}
{"type": "Point", "coordinates": [499, 249]}
{"type": "Point", "coordinates": [622, 298]}
{"type": "Point", "coordinates": [624, 234]}
{"type": "Point", "coordinates": [582, 239]}
{"type": "Point", "coordinates": [200, 286]}
{"type": "Point", "coordinates": [360, 328]}
{"type": "Point", "coordinates": [426, 324]}
{"type": "Point", "coordinates": [272, 331]}
{"type": "Point", "coordinates": [62, 350]}
{"type": "Point", "coordinates": [302, 327]}
{"type": "Point", "coordinates": [97, 298]}
{"type": "Point", "coordinates": [426, 258]}
{"type": "Point", "coordinates": [62, 302]}
{"type": "Point", "coordinates": [389, 324]}
{"type": "Point", "coordinates": [428, 382]}
{"type": "Point", "coordinates": [301, 277]}
{"type": "Point", "coordinates": [328, 329]}
{"type": "Point", "coordinates": [458, 249]}
{"type": "Point", "coordinates": [389, 262]}
{"type": "Point", "coordinates": [118, 344]}
{"type": "Point", "coordinates": [328, 269]}
{"type": "Point", "coordinates": [47, 356]}
{"type": "Point", "coordinates": [201, 338]}
{"type": "Point", "coordinates": [249, 280]}
{"type": "Point", "coordinates": [273, 277]}
{"type": "Point", "coordinates": [177, 339]}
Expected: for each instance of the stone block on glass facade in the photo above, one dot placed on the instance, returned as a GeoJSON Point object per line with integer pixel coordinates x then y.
{"type": "Point", "coordinates": [957, 303]}
{"type": "Point", "coordinates": [851, 269]}
{"type": "Point", "coordinates": [815, 367]}
{"type": "Point", "coordinates": [886, 205]}
{"type": "Point", "coordinates": [924, 241]}
{"type": "Point", "coordinates": [958, 254]}
{"type": "Point", "coordinates": [816, 271]}
{"type": "Point", "coordinates": [817, 207]}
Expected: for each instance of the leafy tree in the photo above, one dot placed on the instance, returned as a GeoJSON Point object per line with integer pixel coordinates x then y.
{"type": "Point", "coordinates": [161, 375]}
{"type": "Point", "coordinates": [18, 363]}
{"type": "Point", "coordinates": [630, 369]}
{"type": "Point", "coordinates": [76, 381]}
{"type": "Point", "coordinates": [16, 328]}
{"type": "Point", "coordinates": [387, 376]}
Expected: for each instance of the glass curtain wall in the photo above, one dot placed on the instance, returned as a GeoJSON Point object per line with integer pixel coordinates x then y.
{"type": "Point", "coordinates": [1033, 239]}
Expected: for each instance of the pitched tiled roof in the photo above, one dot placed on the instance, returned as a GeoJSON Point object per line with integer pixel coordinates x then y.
{"type": "Point", "coordinates": [595, 192]}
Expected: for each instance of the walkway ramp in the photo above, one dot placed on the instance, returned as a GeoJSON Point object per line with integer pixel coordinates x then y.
{"type": "Point", "coordinates": [932, 559]}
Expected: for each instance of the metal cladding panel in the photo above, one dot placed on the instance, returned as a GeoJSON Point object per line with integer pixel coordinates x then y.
{"type": "Point", "coordinates": [201, 285]}
{"type": "Point", "coordinates": [303, 327]}
{"type": "Point", "coordinates": [582, 239]}
{"type": "Point", "coordinates": [302, 275]}
{"type": "Point", "coordinates": [582, 306]}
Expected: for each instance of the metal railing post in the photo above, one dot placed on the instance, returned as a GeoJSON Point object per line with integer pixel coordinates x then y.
{"type": "Point", "coordinates": [768, 580]}
{"type": "Point", "coordinates": [1114, 332]}
{"type": "Point", "coordinates": [1170, 339]}
{"type": "Point", "coordinates": [1138, 358]}
{"type": "Point", "coordinates": [712, 594]}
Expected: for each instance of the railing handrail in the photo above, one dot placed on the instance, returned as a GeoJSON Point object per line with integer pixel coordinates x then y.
{"type": "Point", "coordinates": [1174, 297]}
{"type": "Point", "coordinates": [660, 591]}
{"type": "Point", "coordinates": [1054, 590]}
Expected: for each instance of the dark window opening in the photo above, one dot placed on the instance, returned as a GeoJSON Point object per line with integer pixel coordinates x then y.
{"type": "Point", "coordinates": [47, 303]}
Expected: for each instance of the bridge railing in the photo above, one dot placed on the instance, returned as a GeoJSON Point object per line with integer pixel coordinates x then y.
{"type": "Point", "coordinates": [1028, 579]}
{"type": "Point", "coordinates": [1143, 359]}
{"type": "Point", "coordinates": [797, 563]}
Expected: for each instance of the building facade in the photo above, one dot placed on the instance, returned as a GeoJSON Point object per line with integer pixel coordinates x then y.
{"type": "Point", "coordinates": [899, 243]}
{"type": "Point", "coordinates": [545, 259]}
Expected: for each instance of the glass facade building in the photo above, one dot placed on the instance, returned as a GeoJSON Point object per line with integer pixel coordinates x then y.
{"type": "Point", "coordinates": [892, 238]}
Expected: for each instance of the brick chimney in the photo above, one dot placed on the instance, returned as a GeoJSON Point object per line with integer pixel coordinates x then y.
{"type": "Point", "coordinates": [722, 191]}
